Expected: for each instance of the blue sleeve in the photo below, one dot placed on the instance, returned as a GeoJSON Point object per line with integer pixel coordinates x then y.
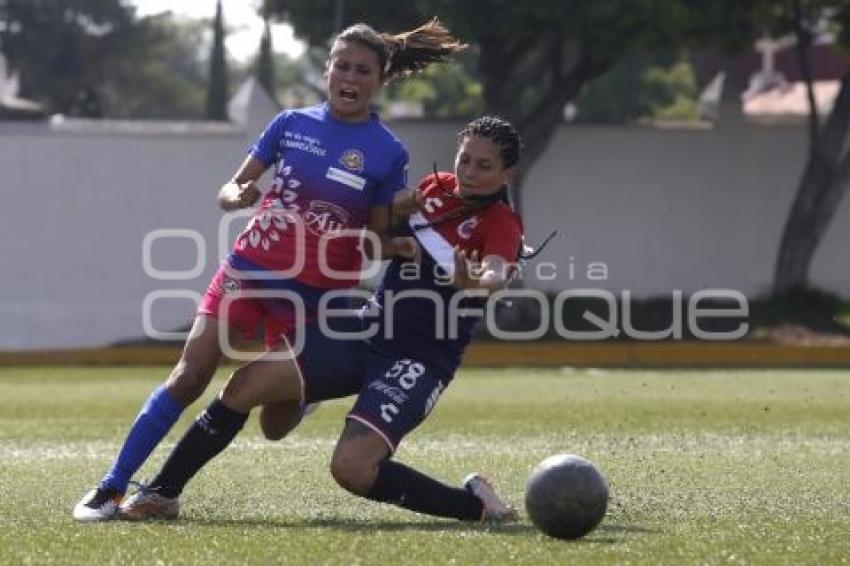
{"type": "Point", "coordinates": [395, 181]}
{"type": "Point", "coordinates": [266, 147]}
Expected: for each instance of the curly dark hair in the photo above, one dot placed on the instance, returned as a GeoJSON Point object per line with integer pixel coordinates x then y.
{"type": "Point", "coordinates": [500, 132]}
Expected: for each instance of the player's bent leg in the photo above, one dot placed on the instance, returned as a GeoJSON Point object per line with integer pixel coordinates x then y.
{"type": "Point", "coordinates": [198, 362]}
{"type": "Point", "coordinates": [362, 466]}
{"type": "Point", "coordinates": [212, 432]}
{"type": "Point", "coordinates": [188, 380]}
{"type": "Point", "coordinates": [356, 458]}
{"type": "Point", "coordinates": [266, 380]}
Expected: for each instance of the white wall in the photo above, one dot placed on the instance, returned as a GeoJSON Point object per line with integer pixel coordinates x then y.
{"type": "Point", "coordinates": [662, 209]}
{"type": "Point", "coordinates": [676, 209]}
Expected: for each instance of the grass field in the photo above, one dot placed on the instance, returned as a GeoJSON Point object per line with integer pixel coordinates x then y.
{"type": "Point", "coordinates": [704, 467]}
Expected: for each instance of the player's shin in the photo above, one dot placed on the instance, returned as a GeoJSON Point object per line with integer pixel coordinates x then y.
{"type": "Point", "coordinates": [405, 487]}
{"type": "Point", "coordinates": [211, 432]}
{"type": "Point", "coordinates": [154, 421]}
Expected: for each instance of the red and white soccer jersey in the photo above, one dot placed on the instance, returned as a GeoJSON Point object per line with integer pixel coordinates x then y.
{"type": "Point", "coordinates": [425, 322]}
{"type": "Point", "coordinates": [493, 230]}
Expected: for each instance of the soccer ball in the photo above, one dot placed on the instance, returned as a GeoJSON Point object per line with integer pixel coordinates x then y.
{"type": "Point", "coordinates": [566, 496]}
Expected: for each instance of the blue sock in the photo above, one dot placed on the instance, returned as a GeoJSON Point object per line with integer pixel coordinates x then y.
{"type": "Point", "coordinates": [155, 419]}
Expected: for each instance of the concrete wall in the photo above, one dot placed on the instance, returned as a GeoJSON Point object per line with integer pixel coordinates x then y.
{"type": "Point", "coordinates": [662, 209]}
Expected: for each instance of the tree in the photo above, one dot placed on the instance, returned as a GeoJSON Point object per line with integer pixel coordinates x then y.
{"type": "Point", "coordinates": [217, 89]}
{"type": "Point", "coordinates": [96, 59]}
{"type": "Point", "coordinates": [61, 46]}
{"type": "Point", "coordinates": [164, 76]}
{"type": "Point", "coordinates": [265, 59]}
{"type": "Point", "coordinates": [827, 170]}
{"type": "Point", "coordinates": [533, 57]}
{"type": "Point", "coordinates": [444, 91]}
{"type": "Point", "coordinates": [643, 86]}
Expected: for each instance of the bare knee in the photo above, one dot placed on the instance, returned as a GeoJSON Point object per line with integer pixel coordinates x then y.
{"type": "Point", "coordinates": [353, 473]}
{"type": "Point", "coordinates": [354, 465]}
{"type": "Point", "coordinates": [354, 477]}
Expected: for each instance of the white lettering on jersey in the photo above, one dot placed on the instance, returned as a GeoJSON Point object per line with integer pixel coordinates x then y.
{"type": "Point", "coordinates": [296, 140]}
{"type": "Point", "coordinates": [432, 204]}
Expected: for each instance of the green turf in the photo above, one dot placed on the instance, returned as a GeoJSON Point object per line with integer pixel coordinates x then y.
{"type": "Point", "coordinates": [704, 468]}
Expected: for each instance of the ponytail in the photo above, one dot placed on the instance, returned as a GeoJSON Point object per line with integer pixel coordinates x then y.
{"type": "Point", "coordinates": [408, 52]}
{"type": "Point", "coordinates": [414, 50]}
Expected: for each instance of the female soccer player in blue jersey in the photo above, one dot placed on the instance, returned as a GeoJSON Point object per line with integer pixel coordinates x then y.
{"type": "Point", "coordinates": [416, 342]}
{"type": "Point", "coordinates": [337, 168]}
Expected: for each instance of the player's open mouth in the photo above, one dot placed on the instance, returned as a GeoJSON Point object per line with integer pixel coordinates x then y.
{"type": "Point", "coordinates": [347, 94]}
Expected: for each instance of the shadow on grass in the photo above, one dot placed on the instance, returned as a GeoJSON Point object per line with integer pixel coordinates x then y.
{"type": "Point", "coordinates": [364, 525]}
{"type": "Point", "coordinates": [605, 534]}
{"type": "Point", "coordinates": [615, 528]}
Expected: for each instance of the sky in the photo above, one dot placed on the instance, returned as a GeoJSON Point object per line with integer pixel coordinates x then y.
{"type": "Point", "coordinates": [240, 16]}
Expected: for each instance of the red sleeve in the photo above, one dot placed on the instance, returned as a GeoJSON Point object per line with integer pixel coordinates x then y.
{"type": "Point", "coordinates": [501, 234]}
{"type": "Point", "coordinates": [428, 184]}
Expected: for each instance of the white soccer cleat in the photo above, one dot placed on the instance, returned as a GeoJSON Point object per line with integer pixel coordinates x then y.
{"type": "Point", "coordinates": [148, 504]}
{"type": "Point", "coordinates": [98, 505]}
{"type": "Point", "coordinates": [495, 510]}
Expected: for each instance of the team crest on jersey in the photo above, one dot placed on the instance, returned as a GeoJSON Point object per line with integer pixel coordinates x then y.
{"type": "Point", "coordinates": [324, 217]}
{"type": "Point", "coordinates": [465, 228]}
{"type": "Point", "coordinates": [230, 285]}
{"type": "Point", "coordinates": [353, 160]}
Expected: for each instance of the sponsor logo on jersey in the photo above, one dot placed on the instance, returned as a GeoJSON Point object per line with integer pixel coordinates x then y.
{"type": "Point", "coordinates": [230, 285]}
{"type": "Point", "coordinates": [324, 217]}
{"type": "Point", "coordinates": [353, 160]}
{"type": "Point", "coordinates": [303, 142]}
{"type": "Point", "coordinates": [356, 182]}
{"type": "Point", "coordinates": [394, 393]}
